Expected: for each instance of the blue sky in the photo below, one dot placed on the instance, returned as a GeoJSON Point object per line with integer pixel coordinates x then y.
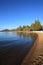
{"type": "Point", "coordinates": [14, 13]}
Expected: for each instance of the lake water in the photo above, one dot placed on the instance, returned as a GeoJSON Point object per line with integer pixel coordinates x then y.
{"type": "Point", "coordinates": [14, 47]}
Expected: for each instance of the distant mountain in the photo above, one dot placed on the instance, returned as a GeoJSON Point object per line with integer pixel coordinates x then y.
{"type": "Point", "coordinates": [5, 30]}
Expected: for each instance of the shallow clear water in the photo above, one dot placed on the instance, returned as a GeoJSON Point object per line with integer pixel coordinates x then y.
{"type": "Point", "coordinates": [14, 47]}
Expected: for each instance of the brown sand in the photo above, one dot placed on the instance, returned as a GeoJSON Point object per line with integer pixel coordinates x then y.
{"type": "Point", "coordinates": [35, 56]}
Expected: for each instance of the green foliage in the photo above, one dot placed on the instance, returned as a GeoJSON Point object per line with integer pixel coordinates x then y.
{"type": "Point", "coordinates": [19, 28]}
{"type": "Point", "coordinates": [42, 27]}
{"type": "Point", "coordinates": [36, 25]}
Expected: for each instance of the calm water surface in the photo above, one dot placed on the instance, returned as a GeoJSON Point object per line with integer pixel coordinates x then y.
{"type": "Point", "coordinates": [14, 47]}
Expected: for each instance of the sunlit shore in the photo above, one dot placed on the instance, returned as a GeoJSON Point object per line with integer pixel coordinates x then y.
{"type": "Point", "coordinates": [36, 53]}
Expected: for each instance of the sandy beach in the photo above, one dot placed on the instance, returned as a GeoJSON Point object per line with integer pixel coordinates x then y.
{"type": "Point", "coordinates": [35, 56]}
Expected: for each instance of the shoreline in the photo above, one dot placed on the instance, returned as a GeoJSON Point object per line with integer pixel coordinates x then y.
{"type": "Point", "coordinates": [29, 55]}
{"type": "Point", "coordinates": [35, 52]}
{"type": "Point", "coordinates": [24, 31]}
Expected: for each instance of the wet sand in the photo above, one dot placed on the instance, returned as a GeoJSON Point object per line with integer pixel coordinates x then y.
{"type": "Point", "coordinates": [35, 56]}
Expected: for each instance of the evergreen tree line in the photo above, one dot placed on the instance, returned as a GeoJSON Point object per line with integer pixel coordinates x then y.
{"type": "Point", "coordinates": [36, 26]}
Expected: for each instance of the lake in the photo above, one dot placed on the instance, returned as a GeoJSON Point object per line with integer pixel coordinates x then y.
{"type": "Point", "coordinates": [14, 46]}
